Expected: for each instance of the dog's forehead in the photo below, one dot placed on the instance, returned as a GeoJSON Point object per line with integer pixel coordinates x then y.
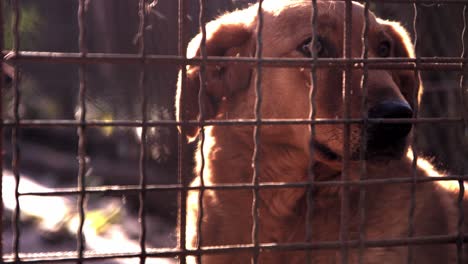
{"type": "Point", "coordinates": [298, 12]}
{"type": "Point", "coordinates": [294, 19]}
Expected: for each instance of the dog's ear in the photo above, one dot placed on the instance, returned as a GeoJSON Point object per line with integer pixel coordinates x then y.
{"type": "Point", "coordinates": [223, 39]}
{"type": "Point", "coordinates": [403, 47]}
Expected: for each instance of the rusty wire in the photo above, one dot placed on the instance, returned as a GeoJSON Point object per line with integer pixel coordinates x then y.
{"type": "Point", "coordinates": [347, 82]}
{"type": "Point", "coordinates": [412, 206]}
{"type": "Point", "coordinates": [425, 63]}
{"type": "Point", "coordinates": [2, 85]}
{"type": "Point", "coordinates": [256, 134]}
{"type": "Point", "coordinates": [312, 116]}
{"type": "Point", "coordinates": [51, 257]}
{"type": "Point", "coordinates": [363, 146]}
{"type": "Point", "coordinates": [461, 186]}
{"type": "Point", "coordinates": [81, 130]}
{"type": "Point", "coordinates": [347, 63]}
{"type": "Point", "coordinates": [112, 190]}
{"type": "Point", "coordinates": [15, 135]}
{"type": "Point", "coordinates": [181, 147]}
{"type": "Point", "coordinates": [144, 129]}
{"type": "Point", "coordinates": [228, 122]}
{"type": "Point", "coordinates": [201, 118]}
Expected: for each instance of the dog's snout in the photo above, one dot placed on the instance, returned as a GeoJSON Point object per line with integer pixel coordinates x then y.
{"type": "Point", "coordinates": [391, 109]}
{"type": "Point", "coordinates": [389, 132]}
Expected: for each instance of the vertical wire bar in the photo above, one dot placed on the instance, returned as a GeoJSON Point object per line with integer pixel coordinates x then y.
{"type": "Point", "coordinates": [412, 208]}
{"type": "Point", "coordinates": [461, 192]}
{"type": "Point", "coordinates": [312, 116]}
{"type": "Point", "coordinates": [464, 91]}
{"type": "Point", "coordinates": [256, 134]}
{"type": "Point", "coordinates": [363, 147]}
{"type": "Point", "coordinates": [82, 130]}
{"type": "Point", "coordinates": [15, 132]}
{"type": "Point", "coordinates": [346, 132]}
{"type": "Point", "coordinates": [2, 85]}
{"type": "Point", "coordinates": [201, 118]}
{"type": "Point", "coordinates": [144, 116]}
{"type": "Point", "coordinates": [181, 148]}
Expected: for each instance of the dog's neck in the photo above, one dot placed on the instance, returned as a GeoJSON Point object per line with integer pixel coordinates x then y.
{"type": "Point", "coordinates": [330, 195]}
{"type": "Point", "coordinates": [228, 160]}
{"type": "Point", "coordinates": [228, 156]}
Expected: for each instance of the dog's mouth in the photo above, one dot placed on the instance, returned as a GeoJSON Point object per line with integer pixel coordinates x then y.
{"type": "Point", "coordinates": [376, 150]}
{"type": "Point", "coordinates": [324, 152]}
{"type": "Point", "coordinates": [380, 153]}
{"type": "Point", "coordinates": [385, 150]}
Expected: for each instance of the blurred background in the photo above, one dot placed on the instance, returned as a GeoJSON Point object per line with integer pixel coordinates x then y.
{"type": "Point", "coordinates": [50, 91]}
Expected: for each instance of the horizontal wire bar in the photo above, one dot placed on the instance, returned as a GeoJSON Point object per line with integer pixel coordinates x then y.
{"type": "Point", "coordinates": [173, 252]}
{"type": "Point", "coordinates": [227, 122]}
{"type": "Point", "coordinates": [114, 189]}
{"type": "Point", "coordinates": [426, 63]}
{"type": "Point", "coordinates": [72, 58]}
{"type": "Point", "coordinates": [409, 1]}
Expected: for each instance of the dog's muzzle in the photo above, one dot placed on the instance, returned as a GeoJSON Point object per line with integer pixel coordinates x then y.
{"type": "Point", "coordinates": [389, 139]}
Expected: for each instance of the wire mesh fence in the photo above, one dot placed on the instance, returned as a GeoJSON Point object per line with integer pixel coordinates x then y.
{"type": "Point", "coordinates": [142, 59]}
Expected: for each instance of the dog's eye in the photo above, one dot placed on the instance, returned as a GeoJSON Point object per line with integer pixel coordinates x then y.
{"type": "Point", "coordinates": [384, 49]}
{"type": "Point", "coordinates": [307, 48]}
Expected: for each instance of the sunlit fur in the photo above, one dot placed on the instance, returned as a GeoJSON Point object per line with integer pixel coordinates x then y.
{"type": "Point", "coordinates": [431, 171]}
{"type": "Point", "coordinates": [284, 153]}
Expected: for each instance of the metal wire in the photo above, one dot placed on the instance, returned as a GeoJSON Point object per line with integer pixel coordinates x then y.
{"type": "Point", "coordinates": [312, 116]}
{"type": "Point", "coordinates": [118, 189]}
{"type": "Point", "coordinates": [425, 63]}
{"type": "Point", "coordinates": [461, 186]}
{"type": "Point", "coordinates": [347, 64]}
{"type": "Point", "coordinates": [201, 118]}
{"type": "Point", "coordinates": [408, 1]}
{"type": "Point", "coordinates": [256, 134]}
{"type": "Point", "coordinates": [53, 257]}
{"type": "Point", "coordinates": [15, 134]}
{"type": "Point", "coordinates": [229, 122]}
{"type": "Point", "coordinates": [2, 85]}
{"type": "Point", "coordinates": [347, 79]}
{"type": "Point", "coordinates": [144, 130]}
{"type": "Point", "coordinates": [181, 147]}
{"type": "Point", "coordinates": [363, 146]}
{"type": "Point", "coordinates": [81, 244]}
{"type": "Point", "coordinates": [412, 208]}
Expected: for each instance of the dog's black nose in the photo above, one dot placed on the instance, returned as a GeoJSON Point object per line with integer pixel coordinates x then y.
{"type": "Point", "coordinates": [386, 133]}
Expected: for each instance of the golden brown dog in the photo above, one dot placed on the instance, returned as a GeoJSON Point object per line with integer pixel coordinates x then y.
{"type": "Point", "coordinates": [284, 150]}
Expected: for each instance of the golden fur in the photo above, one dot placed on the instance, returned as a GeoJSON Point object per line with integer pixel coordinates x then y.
{"type": "Point", "coordinates": [284, 150]}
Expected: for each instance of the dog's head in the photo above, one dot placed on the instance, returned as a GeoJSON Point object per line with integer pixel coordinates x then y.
{"type": "Point", "coordinates": [230, 89]}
